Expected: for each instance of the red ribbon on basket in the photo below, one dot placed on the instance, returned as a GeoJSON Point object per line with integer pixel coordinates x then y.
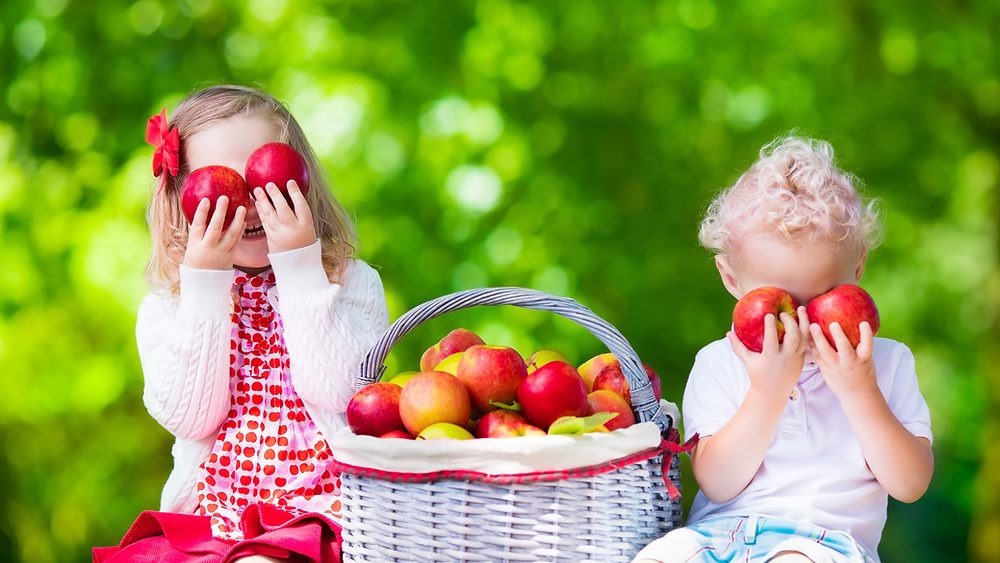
{"type": "Point", "coordinates": [670, 448]}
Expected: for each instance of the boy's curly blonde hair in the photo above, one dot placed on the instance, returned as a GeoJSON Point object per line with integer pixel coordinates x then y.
{"type": "Point", "coordinates": [794, 189]}
{"type": "Point", "coordinates": [169, 227]}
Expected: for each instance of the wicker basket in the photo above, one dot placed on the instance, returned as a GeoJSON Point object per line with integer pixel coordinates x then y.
{"type": "Point", "coordinates": [600, 513]}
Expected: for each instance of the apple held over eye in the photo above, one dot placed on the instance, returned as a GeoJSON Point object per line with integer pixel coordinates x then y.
{"type": "Point", "coordinates": [848, 305]}
{"type": "Point", "coordinates": [491, 373]}
{"type": "Point", "coordinates": [505, 424]}
{"type": "Point", "coordinates": [612, 379]}
{"type": "Point", "coordinates": [374, 410]}
{"type": "Point", "coordinates": [431, 397]}
{"type": "Point", "coordinates": [455, 341]}
{"type": "Point", "coordinates": [590, 369]}
{"type": "Point", "coordinates": [552, 391]}
{"type": "Point", "coordinates": [277, 163]}
{"type": "Point", "coordinates": [750, 310]}
{"type": "Point", "coordinates": [213, 182]}
{"type": "Point", "coordinates": [606, 401]}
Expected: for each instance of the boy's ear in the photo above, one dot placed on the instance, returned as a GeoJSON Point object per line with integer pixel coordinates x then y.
{"type": "Point", "coordinates": [860, 270]}
{"type": "Point", "coordinates": [728, 276]}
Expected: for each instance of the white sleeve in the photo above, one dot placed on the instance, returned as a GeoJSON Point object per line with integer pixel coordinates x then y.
{"type": "Point", "coordinates": [903, 395]}
{"type": "Point", "coordinates": [328, 327]}
{"type": "Point", "coordinates": [713, 391]}
{"type": "Point", "coordinates": [183, 347]}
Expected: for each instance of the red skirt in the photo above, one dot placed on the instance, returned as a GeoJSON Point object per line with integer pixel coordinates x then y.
{"type": "Point", "coordinates": [165, 537]}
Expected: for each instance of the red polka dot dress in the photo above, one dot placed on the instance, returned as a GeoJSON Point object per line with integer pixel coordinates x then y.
{"type": "Point", "coordinates": [268, 450]}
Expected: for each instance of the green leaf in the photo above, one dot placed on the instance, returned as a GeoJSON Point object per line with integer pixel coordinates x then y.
{"type": "Point", "coordinates": [515, 406]}
{"type": "Point", "coordinates": [572, 425]}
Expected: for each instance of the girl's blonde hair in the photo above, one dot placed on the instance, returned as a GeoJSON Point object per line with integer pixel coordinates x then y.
{"type": "Point", "coordinates": [795, 189]}
{"type": "Point", "coordinates": [169, 227]}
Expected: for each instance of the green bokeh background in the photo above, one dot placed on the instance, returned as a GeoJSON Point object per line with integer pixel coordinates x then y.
{"type": "Point", "coordinates": [568, 145]}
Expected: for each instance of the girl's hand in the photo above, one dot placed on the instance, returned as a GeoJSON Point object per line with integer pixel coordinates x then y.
{"type": "Point", "coordinates": [776, 369]}
{"type": "Point", "coordinates": [847, 371]}
{"type": "Point", "coordinates": [286, 228]}
{"type": "Point", "coordinates": [209, 247]}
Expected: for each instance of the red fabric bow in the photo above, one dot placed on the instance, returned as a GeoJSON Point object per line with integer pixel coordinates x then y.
{"type": "Point", "coordinates": [166, 145]}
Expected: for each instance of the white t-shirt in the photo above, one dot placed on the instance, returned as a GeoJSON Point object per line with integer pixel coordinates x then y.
{"type": "Point", "coordinates": [813, 470]}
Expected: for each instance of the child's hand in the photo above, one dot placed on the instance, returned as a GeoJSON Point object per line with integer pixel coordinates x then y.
{"type": "Point", "coordinates": [846, 370]}
{"type": "Point", "coordinates": [209, 247]}
{"type": "Point", "coordinates": [777, 367]}
{"type": "Point", "coordinates": [286, 228]}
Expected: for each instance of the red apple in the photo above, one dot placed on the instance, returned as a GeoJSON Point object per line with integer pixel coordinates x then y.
{"type": "Point", "coordinates": [455, 341]}
{"type": "Point", "coordinates": [505, 424]}
{"type": "Point", "coordinates": [749, 313]}
{"type": "Point", "coordinates": [552, 391]}
{"type": "Point", "coordinates": [606, 401]}
{"type": "Point", "coordinates": [612, 379]}
{"type": "Point", "coordinates": [278, 163]}
{"type": "Point", "coordinates": [590, 369]}
{"type": "Point", "coordinates": [374, 410]}
{"type": "Point", "coordinates": [400, 434]}
{"type": "Point", "coordinates": [431, 397]}
{"type": "Point", "coordinates": [491, 373]}
{"type": "Point", "coordinates": [212, 182]}
{"type": "Point", "coordinates": [848, 305]}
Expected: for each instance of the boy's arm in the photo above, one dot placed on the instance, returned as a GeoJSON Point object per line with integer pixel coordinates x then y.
{"type": "Point", "coordinates": [725, 462]}
{"type": "Point", "coordinates": [901, 462]}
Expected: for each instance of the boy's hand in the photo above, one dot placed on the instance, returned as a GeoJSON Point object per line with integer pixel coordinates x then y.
{"type": "Point", "coordinates": [286, 228]}
{"type": "Point", "coordinates": [209, 247]}
{"type": "Point", "coordinates": [847, 371]}
{"type": "Point", "coordinates": [777, 367]}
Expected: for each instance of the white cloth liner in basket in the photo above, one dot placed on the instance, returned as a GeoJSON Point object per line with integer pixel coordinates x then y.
{"type": "Point", "coordinates": [506, 456]}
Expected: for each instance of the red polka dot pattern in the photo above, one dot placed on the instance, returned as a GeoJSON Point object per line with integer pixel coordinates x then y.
{"type": "Point", "coordinates": [269, 449]}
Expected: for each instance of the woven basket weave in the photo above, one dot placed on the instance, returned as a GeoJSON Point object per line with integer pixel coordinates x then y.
{"type": "Point", "coordinates": [602, 513]}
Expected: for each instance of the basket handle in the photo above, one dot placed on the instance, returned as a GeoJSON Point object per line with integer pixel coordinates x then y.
{"type": "Point", "coordinates": [643, 401]}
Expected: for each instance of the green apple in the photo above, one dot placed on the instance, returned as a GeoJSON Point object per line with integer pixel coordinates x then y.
{"type": "Point", "coordinates": [542, 357]}
{"type": "Point", "coordinates": [450, 364]}
{"type": "Point", "coordinates": [444, 431]}
{"type": "Point", "coordinates": [401, 378]}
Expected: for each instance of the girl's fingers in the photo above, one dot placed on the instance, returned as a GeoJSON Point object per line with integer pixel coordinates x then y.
{"type": "Point", "coordinates": [867, 343]}
{"type": "Point", "coordinates": [200, 220]}
{"type": "Point", "coordinates": [264, 209]}
{"type": "Point", "coordinates": [285, 213]}
{"type": "Point", "coordinates": [214, 229]}
{"type": "Point", "coordinates": [234, 232]}
{"type": "Point", "coordinates": [301, 206]}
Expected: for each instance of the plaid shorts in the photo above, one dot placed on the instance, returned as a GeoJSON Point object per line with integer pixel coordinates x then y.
{"type": "Point", "coordinates": [751, 539]}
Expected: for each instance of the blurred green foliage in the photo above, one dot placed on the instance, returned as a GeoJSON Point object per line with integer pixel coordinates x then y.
{"type": "Point", "coordinates": [566, 145]}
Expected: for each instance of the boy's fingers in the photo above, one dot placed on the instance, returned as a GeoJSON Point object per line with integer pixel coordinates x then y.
{"type": "Point", "coordinates": [792, 335]}
{"type": "Point", "coordinates": [770, 333]}
{"type": "Point", "coordinates": [867, 343]}
{"type": "Point", "coordinates": [823, 348]}
{"type": "Point", "coordinates": [843, 343]}
{"type": "Point", "coordinates": [741, 351]}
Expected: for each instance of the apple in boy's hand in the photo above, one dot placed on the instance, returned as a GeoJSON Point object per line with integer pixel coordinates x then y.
{"type": "Point", "coordinates": [444, 431]}
{"type": "Point", "coordinates": [552, 391]}
{"type": "Point", "coordinates": [455, 341]}
{"type": "Point", "coordinates": [374, 410]}
{"type": "Point", "coordinates": [505, 424]}
{"type": "Point", "coordinates": [433, 396]}
{"type": "Point", "coordinates": [542, 357]}
{"type": "Point", "coordinates": [848, 305]}
{"type": "Point", "coordinates": [748, 316]}
{"type": "Point", "coordinates": [606, 401]}
{"type": "Point", "coordinates": [491, 373]}
{"type": "Point", "coordinates": [212, 182]}
{"type": "Point", "coordinates": [590, 369]}
{"type": "Point", "coordinates": [613, 379]}
{"type": "Point", "coordinates": [278, 163]}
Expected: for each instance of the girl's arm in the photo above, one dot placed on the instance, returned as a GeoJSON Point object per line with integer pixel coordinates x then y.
{"type": "Point", "coordinates": [184, 350]}
{"type": "Point", "coordinates": [901, 462]}
{"type": "Point", "coordinates": [328, 327]}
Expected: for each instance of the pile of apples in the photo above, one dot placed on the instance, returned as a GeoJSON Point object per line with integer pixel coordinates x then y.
{"type": "Point", "coordinates": [467, 389]}
{"type": "Point", "coordinates": [272, 162]}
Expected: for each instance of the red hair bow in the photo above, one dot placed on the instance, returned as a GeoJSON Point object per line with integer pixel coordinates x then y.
{"type": "Point", "coordinates": [166, 157]}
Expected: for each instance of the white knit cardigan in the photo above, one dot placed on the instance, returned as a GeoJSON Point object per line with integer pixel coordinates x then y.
{"type": "Point", "coordinates": [184, 344]}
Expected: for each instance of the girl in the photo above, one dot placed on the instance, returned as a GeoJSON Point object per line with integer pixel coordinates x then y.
{"type": "Point", "coordinates": [248, 345]}
{"type": "Point", "coordinates": [800, 444]}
